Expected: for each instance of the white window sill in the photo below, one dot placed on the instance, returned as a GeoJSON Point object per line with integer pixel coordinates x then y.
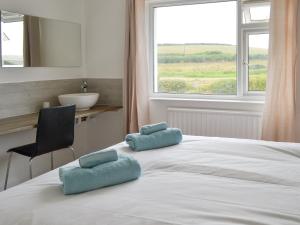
{"type": "Point", "coordinates": [259, 101]}
{"type": "Point", "coordinates": [201, 98]}
{"type": "Point", "coordinates": [238, 104]}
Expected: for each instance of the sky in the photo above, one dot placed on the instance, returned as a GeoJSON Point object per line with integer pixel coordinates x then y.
{"type": "Point", "coordinates": [201, 23]}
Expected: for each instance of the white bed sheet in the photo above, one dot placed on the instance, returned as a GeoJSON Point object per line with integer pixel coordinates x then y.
{"type": "Point", "coordinates": [201, 181]}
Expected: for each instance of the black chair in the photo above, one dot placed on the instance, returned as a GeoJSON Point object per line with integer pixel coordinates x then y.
{"type": "Point", "coordinates": [55, 130]}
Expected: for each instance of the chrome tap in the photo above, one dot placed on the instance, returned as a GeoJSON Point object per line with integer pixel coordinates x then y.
{"type": "Point", "coordinates": [84, 86]}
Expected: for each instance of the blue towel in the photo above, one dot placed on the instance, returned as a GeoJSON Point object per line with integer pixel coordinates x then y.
{"type": "Point", "coordinates": [149, 129]}
{"type": "Point", "coordinates": [160, 139]}
{"type": "Point", "coordinates": [96, 158]}
{"type": "Point", "coordinates": [77, 180]}
{"type": "Point", "coordinates": [64, 170]}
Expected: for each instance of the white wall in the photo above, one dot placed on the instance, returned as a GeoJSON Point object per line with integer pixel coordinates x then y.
{"type": "Point", "coordinates": [68, 10]}
{"type": "Point", "coordinates": [105, 38]}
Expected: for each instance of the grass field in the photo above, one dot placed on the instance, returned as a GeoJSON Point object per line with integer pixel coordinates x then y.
{"type": "Point", "coordinates": [206, 69]}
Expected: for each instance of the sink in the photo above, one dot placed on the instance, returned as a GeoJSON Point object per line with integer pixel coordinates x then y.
{"type": "Point", "coordinates": [83, 101]}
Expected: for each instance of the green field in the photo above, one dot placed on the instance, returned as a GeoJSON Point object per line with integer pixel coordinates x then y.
{"type": "Point", "coordinates": [206, 69]}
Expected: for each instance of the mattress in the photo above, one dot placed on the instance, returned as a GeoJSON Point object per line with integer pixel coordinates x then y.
{"type": "Point", "coordinates": [201, 181]}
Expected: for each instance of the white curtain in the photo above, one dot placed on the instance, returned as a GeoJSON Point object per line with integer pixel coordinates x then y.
{"type": "Point", "coordinates": [279, 120]}
{"type": "Point", "coordinates": [136, 78]}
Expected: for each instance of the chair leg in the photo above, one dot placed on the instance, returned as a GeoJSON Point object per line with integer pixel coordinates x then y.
{"type": "Point", "coordinates": [52, 161]}
{"type": "Point", "coordinates": [7, 170]}
{"type": "Point", "coordinates": [30, 168]}
{"type": "Point", "coordinates": [73, 152]}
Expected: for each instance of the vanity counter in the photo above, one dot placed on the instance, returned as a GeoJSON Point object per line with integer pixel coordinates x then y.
{"type": "Point", "coordinates": [27, 122]}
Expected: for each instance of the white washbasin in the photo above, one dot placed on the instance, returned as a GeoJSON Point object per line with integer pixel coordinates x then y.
{"type": "Point", "coordinates": [83, 101]}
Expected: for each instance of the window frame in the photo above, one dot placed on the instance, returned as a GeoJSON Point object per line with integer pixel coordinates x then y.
{"type": "Point", "coordinates": [242, 93]}
{"type": "Point", "coordinates": [246, 33]}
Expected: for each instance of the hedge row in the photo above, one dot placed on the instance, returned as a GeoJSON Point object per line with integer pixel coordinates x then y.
{"type": "Point", "coordinates": [223, 86]}
{"type": "Point", "coordinates": [210, 56]}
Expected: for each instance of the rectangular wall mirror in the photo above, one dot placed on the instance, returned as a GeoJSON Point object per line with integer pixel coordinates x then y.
{"type": "Point", "coordinates": [29, 41]}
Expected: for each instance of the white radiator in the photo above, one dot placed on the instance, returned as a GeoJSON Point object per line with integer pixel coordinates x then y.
{"type": "Point", "coordinates": [217, 123]}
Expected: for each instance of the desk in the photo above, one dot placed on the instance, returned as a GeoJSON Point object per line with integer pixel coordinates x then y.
{"type": "Point", "coordinates": [26, 122]}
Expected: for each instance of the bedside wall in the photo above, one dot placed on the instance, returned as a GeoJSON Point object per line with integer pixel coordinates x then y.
{"type": "Point", "coordinates": [27, 97]}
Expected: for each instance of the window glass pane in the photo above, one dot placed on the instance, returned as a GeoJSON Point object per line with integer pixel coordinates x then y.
{"type": "Point", "coordinates": [260, 13]}
{"type": "Point", "coordinates": [258, 61]}
{"type": "Point", "coordinates": [256, 13]}
{"type": "Point", "coordinates": [196, 49]}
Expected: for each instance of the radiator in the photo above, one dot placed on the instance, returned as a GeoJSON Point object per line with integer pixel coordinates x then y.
{"type": "Point", "coordinates": [216, 123]}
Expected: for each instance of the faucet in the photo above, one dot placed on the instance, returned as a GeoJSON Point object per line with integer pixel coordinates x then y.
{"type": "Point", "coordinates": [84, 86]}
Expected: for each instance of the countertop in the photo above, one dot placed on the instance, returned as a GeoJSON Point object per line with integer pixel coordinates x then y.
{"type": "Point", "coordinates": [29, 121]}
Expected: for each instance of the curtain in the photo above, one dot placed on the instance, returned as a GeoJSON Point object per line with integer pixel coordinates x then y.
{"type": "Point", "coordinates": [279, 119]}
{"type": "Point", "coordinates": [31, 41]}
{"type": "Point", "coordinates": [136, 99]}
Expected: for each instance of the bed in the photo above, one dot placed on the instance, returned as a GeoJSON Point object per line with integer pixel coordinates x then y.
{"type": "Point", "coordinates": [201, 181]}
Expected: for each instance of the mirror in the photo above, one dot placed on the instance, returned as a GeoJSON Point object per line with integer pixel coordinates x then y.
{"type": "Point", "coordinates": [29, 41]}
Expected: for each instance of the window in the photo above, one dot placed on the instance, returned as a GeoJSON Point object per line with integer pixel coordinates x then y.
{"type": "Point", "coordinates": [255, 44]}
{"type": "Point", "coordinates": [204, 48]}
{"type": "Point", "coordinates": [258, 44]}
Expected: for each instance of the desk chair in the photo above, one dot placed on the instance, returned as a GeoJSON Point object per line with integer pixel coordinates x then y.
{"type": "Point", "coordinates": [55, 130]}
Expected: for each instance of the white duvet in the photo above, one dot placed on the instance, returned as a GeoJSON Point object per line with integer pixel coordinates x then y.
{"type": "Point", "coordinates": [201, 181]}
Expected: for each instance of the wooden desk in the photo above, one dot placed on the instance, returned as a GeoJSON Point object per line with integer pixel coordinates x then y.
{"type": "Point", "coordinates": [27, 122]}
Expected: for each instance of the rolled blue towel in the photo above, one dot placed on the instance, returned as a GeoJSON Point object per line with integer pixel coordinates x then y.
{"type": "Point", "coordinates": [77, 180]}
{"type": "Point", "coordinates": [149, 129]}
{"type": "Point", "coordinates": [64, 170]}
{"type": "Point", "coordinates": [96, 158]}
{"type": "Point", "coordinates": [160, 139]}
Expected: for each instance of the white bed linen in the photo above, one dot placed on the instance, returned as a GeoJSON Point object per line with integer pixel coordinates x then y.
{"type": "Point", "coordinates": [201, 181]}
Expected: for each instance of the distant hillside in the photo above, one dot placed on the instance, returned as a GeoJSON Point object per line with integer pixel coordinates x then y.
{"type": "Point", "coordinates": [199, 53]}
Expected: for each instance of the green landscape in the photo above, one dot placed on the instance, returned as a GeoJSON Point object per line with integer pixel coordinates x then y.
{"type": "Point", "coordinates": [207, 69]}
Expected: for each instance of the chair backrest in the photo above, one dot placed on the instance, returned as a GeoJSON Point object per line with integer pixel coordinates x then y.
{"type": "Point", "coordinates": [55, 129]}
